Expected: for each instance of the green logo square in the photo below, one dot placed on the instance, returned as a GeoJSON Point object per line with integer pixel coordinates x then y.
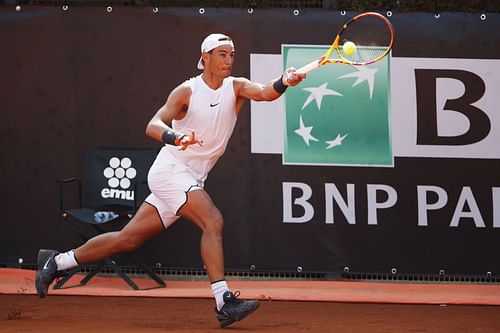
{"type": "Point", "coordinates": [339, 115]}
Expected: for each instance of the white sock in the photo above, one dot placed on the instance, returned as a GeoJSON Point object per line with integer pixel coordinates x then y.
{"type": "Point", "coordinates": [66, 260]}
{"type": "Point", "coordinates": [218, 289]}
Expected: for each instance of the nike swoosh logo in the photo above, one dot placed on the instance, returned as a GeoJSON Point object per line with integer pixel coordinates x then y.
{"type": "Point", "coordinates": [212, 105]}
{"type": "Point", "coordinates": [46, 264]}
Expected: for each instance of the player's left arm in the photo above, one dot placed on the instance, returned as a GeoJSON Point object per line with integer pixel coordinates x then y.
{"type": "Point", "coordinates": [269, 92]}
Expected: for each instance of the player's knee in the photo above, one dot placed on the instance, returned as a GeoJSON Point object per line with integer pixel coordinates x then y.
{"type": "Point", "coordinates": [214, 223]}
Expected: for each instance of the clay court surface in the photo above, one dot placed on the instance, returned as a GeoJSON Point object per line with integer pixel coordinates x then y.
{"type": "Point", "coordinates": [108, 305]}
{"type": "Point", "coordinates": [140, 314]}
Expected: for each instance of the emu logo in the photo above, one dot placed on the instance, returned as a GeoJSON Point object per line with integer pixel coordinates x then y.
{"type": "Point", "coordinates": [119, 174]}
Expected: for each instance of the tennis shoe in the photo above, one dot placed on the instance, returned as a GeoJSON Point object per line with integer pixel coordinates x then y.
{"type": "Point", "coordinates": [47, 271]}
{"type": "Point", "coordinates": [234, 309]}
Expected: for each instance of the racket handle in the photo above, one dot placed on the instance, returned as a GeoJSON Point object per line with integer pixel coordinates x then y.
{"type": "Point", "coordinates": [309, 67]}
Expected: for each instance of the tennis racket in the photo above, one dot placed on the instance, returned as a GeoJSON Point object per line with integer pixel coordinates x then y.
{"type": "Point", "coordinates": [372, 35]}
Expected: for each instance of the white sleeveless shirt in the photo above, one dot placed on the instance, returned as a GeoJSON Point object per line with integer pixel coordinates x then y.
{"type": "Point", "coordinates": [212, 116]}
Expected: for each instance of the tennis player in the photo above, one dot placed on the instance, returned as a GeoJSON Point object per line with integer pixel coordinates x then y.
{"type": "Point", "coordinates": [194, 125]}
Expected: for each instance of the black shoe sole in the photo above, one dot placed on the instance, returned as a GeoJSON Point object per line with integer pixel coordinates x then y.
{"type": "Point", "coordinates": [248, 313]}
{"type": "Point", "coordinates": [228, 321]}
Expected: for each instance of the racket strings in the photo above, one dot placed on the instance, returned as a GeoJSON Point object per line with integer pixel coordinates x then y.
{"type": "Point", "coordinates": [364, 54]}
{"type": "Point", "coordinates": [372, 37]}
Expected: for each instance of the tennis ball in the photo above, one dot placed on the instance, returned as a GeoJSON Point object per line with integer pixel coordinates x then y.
{"type": "Point", "coordinates": [349, 48]}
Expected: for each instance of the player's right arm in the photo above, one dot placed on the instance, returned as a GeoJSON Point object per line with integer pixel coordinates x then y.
{"type": "Point", "coordinates": [268, 92]}
{"type": "Point", "coordinates": [159, 127]}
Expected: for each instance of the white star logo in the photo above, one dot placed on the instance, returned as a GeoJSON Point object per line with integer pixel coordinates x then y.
{"type": "Point", "coordinates": [363, 74]}
{"type": "Point", "coordinates": [335, 142]}
{"type": "Point", "coordinates": [317, 94]}
{"type": "Point", "coordinates": [305, 132]}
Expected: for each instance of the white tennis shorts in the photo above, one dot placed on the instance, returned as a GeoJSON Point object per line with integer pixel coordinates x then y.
{"type": "Point", "coordinates": [169, 180]}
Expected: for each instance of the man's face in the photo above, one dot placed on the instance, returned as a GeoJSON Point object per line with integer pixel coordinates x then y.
{"type": "Point", "coordinates": [219, 61]}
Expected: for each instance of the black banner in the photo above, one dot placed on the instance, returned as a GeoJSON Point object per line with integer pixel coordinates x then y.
{"type": "Point", "coordinates": [84, 78]}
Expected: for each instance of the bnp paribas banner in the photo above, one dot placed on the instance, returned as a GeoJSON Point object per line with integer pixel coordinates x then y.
{"type": "Point", "coordinates": [339, 115]}
{"type": "Point", "coordinates": [438, 108]}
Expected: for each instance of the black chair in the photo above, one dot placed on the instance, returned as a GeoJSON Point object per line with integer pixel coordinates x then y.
{"type": "Point", "coordinates": [114, 182]}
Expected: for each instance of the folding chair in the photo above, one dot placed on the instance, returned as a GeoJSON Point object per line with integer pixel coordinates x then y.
{"type": "Point", "coordinates": [114, 182]}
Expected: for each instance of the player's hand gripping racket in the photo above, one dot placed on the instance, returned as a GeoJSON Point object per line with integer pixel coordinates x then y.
{"type": "Point", "coordinates": [188, 140]}
{"type": "Point", "coordinates": [364, 39]}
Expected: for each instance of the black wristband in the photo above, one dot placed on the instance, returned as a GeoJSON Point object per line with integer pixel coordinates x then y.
{"type": "Point", "coordinates": [171, 137]}
{"type": "Point", "coordinates": [279, 86]}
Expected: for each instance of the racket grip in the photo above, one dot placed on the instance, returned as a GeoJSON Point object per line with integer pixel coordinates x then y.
{"type": "Point", "coordinates": [309, 67]}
